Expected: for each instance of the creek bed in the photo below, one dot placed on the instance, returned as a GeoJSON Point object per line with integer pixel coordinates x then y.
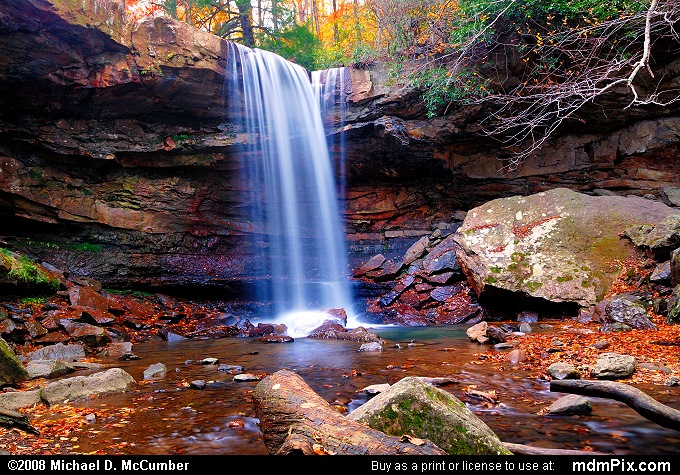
{"type": "Point", "coordinates": [167, 417]}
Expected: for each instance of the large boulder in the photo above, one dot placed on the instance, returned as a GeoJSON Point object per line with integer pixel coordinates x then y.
{"type": "Point", "coordinates": [557, 245]}
{"type": "Point", "coordinates": [414, 407]}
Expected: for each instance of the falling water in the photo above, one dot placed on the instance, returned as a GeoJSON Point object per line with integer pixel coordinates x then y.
{"type": "Point", "coordinates": [304, 240]}
{"type": "Point", "coordinates": [331, 86]}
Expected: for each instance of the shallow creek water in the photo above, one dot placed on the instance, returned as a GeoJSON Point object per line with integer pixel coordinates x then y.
{"type": "Point", "coordinates": [170, 418]}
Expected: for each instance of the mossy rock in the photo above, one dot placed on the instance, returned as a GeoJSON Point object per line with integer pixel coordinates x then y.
{"type": "Point", "coordinates": [11, 369]}
{"type": "Point", "coordinates": [558, 245]}
{"type": "Point", "coordinates": [416, 408]}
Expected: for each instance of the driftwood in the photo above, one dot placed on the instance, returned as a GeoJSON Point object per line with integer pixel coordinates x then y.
{"type": "Point", "coordinates": [641, 402]}
{"type": "Point", "coordinates": [519, 449]}
{"type": "Point", "coordinates": [296, 420]}
{"type": "Point", "coordinates": [13, 419]}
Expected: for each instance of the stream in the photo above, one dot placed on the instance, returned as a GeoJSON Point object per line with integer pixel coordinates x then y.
{"type": "Point", "coordinates": [168, 417]}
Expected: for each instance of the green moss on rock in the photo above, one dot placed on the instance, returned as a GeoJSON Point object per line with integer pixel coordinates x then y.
{"type": "Point", "coordinates": [11, 369]}
{"type": "Point", "coordinates": [414, 407]}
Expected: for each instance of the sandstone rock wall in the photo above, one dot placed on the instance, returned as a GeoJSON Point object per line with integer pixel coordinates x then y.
{"type": "Point", "coordinates": [118, 158]}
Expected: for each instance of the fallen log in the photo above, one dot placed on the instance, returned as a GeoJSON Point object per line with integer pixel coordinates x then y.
{"type": "Point", "coordinates": [520, 449]}
{"type": "Point", "coordinates": [13, 419]}
{"type": "Point", "coordinates": [641, 402]}
{"type": "Point", "coordinates": [296, 420]}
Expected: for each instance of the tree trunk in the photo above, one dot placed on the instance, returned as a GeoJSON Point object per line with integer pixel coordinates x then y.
{"type": "Point", "coordinates": [245, 17]}
{"type": "Point", "coordinates": [336, 33]}
{"type": "Point", "coordinates": [357, 23]}
{"type": "Point", "coordinates": [296, 420]}
{"type": "Point", "coordinates": [641, 402]}
{"type": "Point", "coordinates": [275, 15]}
{"type": "Point", "coordinates": [315, 13]}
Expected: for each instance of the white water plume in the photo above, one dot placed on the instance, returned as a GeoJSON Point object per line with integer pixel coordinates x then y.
{"type": "Point", "coordinates": [306, 261]}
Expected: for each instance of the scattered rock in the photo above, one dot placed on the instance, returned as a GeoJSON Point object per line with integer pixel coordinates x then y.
{"type": "Point", "coordinates": [48, 368]}
{"type": "Point", "coordinates": [155, 371]}
{"type": "Point", "coordinates": [231, 369]}
{"type": "Point", "coordinates": [516, 356]}
{"type": "Point", "coordinates": [111, 381]}
{"type": "Point", "coordinates": [117, 349]}
{"type": "Point", "coordinates": [671, 195]}
{"type": "Point", "coordinates": [659, 238]}
{"type": "Point", "coordinates": [570, 405]}
{"type": "Point", "coordinates": [675, 267]}
{"type": "Point", "coordinates": [661, 273]}
{"type": "Point", "coordinates": [58, 351]}
{"type": "Point", "coordinates": [277, 339]}
{"type": "Point", "coordinates": [673, 315]}
{"type": "Point", "coordinates": [495, 334]}
{"type": "Point", "coordinates": [375, 389]}
{"type": "Point", "coordinates": [248, 377]}
{"type": "Point", "coordinates": [630, 313]}
{"type": "Point", "coordinates": [416, 250]}
{"type": "Point", "coordinates": [614, 366]}
{"type": "Point", "coordinates": [371, 346]}
{"type": "Point", "coordinates": [170, 336]}
{"type": "Point", "coordinates": [91, 335]}
{"type": "Point", "coordinates": [562, 370]}
{"type": "Point", "coordinates": [373, 263]}
{"type": "Point", "coordinates": [15, 400]}
{"type": "Point", "coordinates": [477, 332]}
{"type": "Point", "coordinates": [527, 316]}
{"type": "Point", "coordinates": [601, 344]}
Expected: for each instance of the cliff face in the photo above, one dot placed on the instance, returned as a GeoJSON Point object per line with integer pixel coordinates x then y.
{"type": "Point", "coordinates": [116, 155]}
{"type": "Point", "coordinates": [118, 160]}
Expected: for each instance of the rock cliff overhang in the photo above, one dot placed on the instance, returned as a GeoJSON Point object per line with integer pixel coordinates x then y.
{"type": "Point", "coordinates": [116, 137]}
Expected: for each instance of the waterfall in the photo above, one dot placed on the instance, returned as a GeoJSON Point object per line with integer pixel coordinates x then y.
{"type": "Point", "coordinates": [331, 86]}
{"type": "Point", "coordinates": [303, 236]}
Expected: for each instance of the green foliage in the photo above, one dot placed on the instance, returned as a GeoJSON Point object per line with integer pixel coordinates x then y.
{"type": "Point", "coordinates": [23, 269]}
{"type": "Point", "coordinates": [571, 9]}
{"type": "Point", "coordinates": [84, 246]}
{"type": "Point", "coordinates": [140, 294]}
{"type": "Point", "coordinates": [441, 88]}
{"type": "Point", "coordinates": [453, 67]}
{"type": "Point", "coordinates": [363, 55]}
{"type": "Point", "coordinates": [75, 246]}
{"type": "Point", "coordinates": [34, 300]}
{"type": "Point", "coordinates": [327, 58]}
{"type": "Point", "coordinates": [296, 43]}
